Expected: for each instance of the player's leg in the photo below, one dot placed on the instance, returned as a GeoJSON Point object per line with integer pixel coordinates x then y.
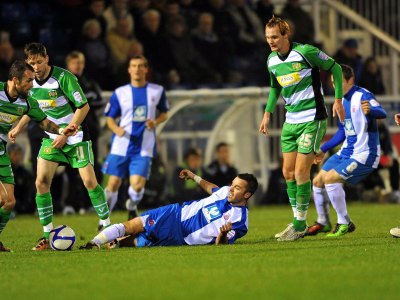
{"type": "Point", "coordinates": [96, 193]}
{"type": "Point", "coordinates": [111, 190]}
{"type": "Point", "coordinates": [129, 228]}
{"type": "Point", "coordinates": [7, 200]}
{"type": "Point", "coordinates": [45, 173]}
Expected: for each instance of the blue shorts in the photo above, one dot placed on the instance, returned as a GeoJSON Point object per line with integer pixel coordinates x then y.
{"type": "Point", "coordinates": [349, 169]}
{"type": "Point", "coordinates": [120, 165]}
{"type": "Point", "coordinates": [162, 227]}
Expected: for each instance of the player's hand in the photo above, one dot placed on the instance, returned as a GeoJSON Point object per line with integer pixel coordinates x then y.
{"type": "Point", "coordinates": [397, 119]}
{"type": "Point", "coordinates": [224, 229]}
{"type": "Point", "coordinates": [70, 130]}
{"type": "Point", "coordinates": [59, 141]}
{"type": "Point", "coordinates": [151, 124]}
{"type": "Point", "coordinates": [338, 109]}
{"type": "Point", "coordinates": [264, 124]}
{"type": "Point", "coordinates": [366, 108]}
{"type": "Point", "coordinates": [13, 133]}
{"type": "Point", "coordinates": [119, 131]}
{"type": "Point", "coordinates": [319, 156]}
{"type": "Point", "coordinates": [186, 174]}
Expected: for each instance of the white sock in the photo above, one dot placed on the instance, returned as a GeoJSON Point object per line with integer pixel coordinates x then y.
{"type": "Point", "coordinates": [337, 197]}
{"type": "Point", "coordinates": [105, 222]}
{"type": "Point", "coordinates": [135, 197]}
{"type": "Point", "coordinates": [109, 234]}
{"type": "Point", "coordinates": [320, 205]}
{"type": "Point", "coordinates": [48, 227]}
{"type": "Point", "coordinates": [112, 198]}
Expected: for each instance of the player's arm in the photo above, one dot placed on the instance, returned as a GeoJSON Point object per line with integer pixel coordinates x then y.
{"type": "Point", "coordinates": [337, 75]}
{"type": "Point", "coordinates": [151, 124]}
{"type": "Point", "coordinates": [204, 184]}
{"type": "Point", "coordinates": [273, 96]}
{"type": "Point", "coordinates": [373, 108]}
{"type": "Point", "coordinates": [222, 237]}
{"type": "Point", "coordinates": [112, 124]}
{"type": "Point", "coordinates": [50, 126]}
{"type": "Point", "coordinates": [21, 125]}
{"type": "Point", "coordinates": [335, 140]}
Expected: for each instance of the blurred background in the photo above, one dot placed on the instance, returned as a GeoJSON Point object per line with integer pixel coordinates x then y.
{"type": "Point", "coordinates": [210, 55]}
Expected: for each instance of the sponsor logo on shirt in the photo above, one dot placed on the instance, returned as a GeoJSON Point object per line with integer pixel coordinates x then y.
{"type": "Point", "coordinates": [348, 127]}
{"type": "Point", "coordinates": [211, 213]}
{"type": "Point", "coordinates": [286, 80]}
{"type": "Point", "coordinates": [43, 104]}
{"type": "Point", "coordinates": [77, 96]}
{"type": "Point", "coordinates": [373, 102]}
{"type": "Point", "coordinates": [139, 113]}
{"type": "Point", "coordinates": [7, 118]}
{"type": "Point", "coordinates": [322, 55]}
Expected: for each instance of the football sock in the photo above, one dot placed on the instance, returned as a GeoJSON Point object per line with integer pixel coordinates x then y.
{"type": "Point", "coordinates": [337, 197]}
{"type": "Point", "coordinates": [4, 217]}
{"type": "Point", "coordinates": [44, 205]}
{"type": "Point", "coordinates": [109, 234]}
{"type": "Point", "coordinates": [98, 198]}
{"type": "Point", "coordinates": [135, 197]}
{"type": "Point", "coordinates": [320, 205]}
{"type": "Point", "coordinates": [303, 196]}
{"type": "Point", "coordinates": [112, 198]}
{"type": "Point", "coordinates": [291, 191]}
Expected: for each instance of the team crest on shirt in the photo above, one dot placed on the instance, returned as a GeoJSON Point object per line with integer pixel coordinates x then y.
{"type": "Point", "coordinates": [348, 127]}
{"type": "Point", "coordinates": [20, 110]}
{"type": "Point", "coordinates": [139, 113]}
{"type": "Point", "coordinates": [226, 217]}
{"type": "Point", "coordinates": [296, 66]}
{"type": "Point", "coordinates": [211, 213]}
{"type": "Point", "coordinates": [47, 150]}
{"type": "Point", "coordinates": [151, 222]}
{"type": "Point", "coordinates": [52, 94]}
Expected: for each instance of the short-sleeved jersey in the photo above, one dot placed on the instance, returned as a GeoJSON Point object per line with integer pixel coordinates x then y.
{"type": "Point", "coordinates": [298, 75]}
{"type": "Point", "coordinates": [11, 110]}
{"type": "Point", "coordinates": [133, 106]}
{"type": "Point", "coordinates": [201, 220]}
{"type": "Point", "coordinates": [59, 95]}
{"type": "Point", "coordinates": [359, 131]}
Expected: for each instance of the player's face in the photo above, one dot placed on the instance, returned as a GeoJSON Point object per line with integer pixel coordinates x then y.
{"type": "Point", "coordinates": [25, 84]}
{"type": "Point", "coordinates": [40, 64]}
{"type": "Point", "coordinates": [276, 40]}
{"type": "Point", "coordinates": [238, 192]}
{"type": "Point", "coordinates": [137, 70]}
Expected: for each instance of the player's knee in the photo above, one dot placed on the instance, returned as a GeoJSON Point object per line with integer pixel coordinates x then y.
{"type": "Point", "coordinates": [288, 174]}
{"type": "Point", "coordinates": [9, 202]}
{"type": "Point", "coordinates": [330, 177]}
{"type": "Point", "coordinates": [318, 182]}
{"type": "Point", "coordinates": [90, 183]}
{"type": "Point", "coordinates": [42, 184]}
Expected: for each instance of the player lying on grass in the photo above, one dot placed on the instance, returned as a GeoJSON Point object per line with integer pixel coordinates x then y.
{"type": "Point", "coordinates": [220, 218]}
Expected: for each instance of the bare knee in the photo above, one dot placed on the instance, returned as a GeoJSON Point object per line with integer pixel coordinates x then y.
{"type": "Point", "coordinates": [331, 177]}
{"type": "Point", "coordinates": [134, 226]}
{"type": "Point", "coordinates": [90, 183]}
{"type": "Point", "coordinates": [288, 174]}
{"type": "Point", "coordinates": [42, 185]}
{"type": "Point", "coordinates": [9, 203]}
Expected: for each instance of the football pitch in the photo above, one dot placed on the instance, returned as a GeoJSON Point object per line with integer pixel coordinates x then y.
{"type": "Point", "coordinates": [362, 265]}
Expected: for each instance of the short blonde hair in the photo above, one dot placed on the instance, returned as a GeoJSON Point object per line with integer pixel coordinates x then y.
{"type": "Point", "coordinates": [284, 27]}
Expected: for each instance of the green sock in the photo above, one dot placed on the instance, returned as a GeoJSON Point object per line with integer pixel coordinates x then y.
{"type": "Point", "coordinates": [99, 202]}
{"type": "Point", "coordinates": [4, 217]}
{"type": "Point", "coordinates": [303, 197]}
{"type": "Point", "coordinates": [291, 191]}
{"type": "Point", "coordinates": [44, 205]}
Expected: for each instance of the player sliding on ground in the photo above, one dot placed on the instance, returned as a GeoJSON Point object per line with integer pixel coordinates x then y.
{"type": "Point", "coordinates": [218, 219]}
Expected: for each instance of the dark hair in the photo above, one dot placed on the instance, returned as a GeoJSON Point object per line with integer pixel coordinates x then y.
{"type": "Point", "coordinates": [142, 57]}
{"type": "Point", "coordinates": [220, 145]}
{"type": "Point", "coordinates": [347, 72]}
{"type": "Point", "coordinates": [284, 27]}
{"type": "Point", "coordinates": [35, 49]}
{"type": "Point", "coordinates": [190, 152]}
{"type": "Point", "coordinates": [18, 69]}
{"type": "Point", "coordinates": [252, 183]}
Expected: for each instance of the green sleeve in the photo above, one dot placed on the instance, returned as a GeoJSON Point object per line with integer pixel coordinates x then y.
{"type": "Point", "coordinates": [273, 99]}
{"type": "Point", "coordinates": [72, 90]}
{"type": "Point", "coordinates": [338, 80]}
{"type": "Point", "coordinates": [34, 111]}
{"type": "Point", "coordinates": [317, 58]}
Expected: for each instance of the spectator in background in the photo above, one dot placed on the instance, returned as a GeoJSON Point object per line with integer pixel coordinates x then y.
{"type": "Point", "coordinates": [221, 171]}
{"type": "Point", "coordinates": [186, 190]}
{"type": "Point", "coordinates": [95, 10]}
{"type": "Point", "coordinates": [24, 189]}
{"type": "Point", "coordinates": [303, 24]}
{"type": "Point", "coordinates": [162, 64]}
{"type": "Point", "coordinates": [6, 59]}
{"type": "Point", "coordinates": [137, 8]}
{"type": "Point", "coordinates": [264, 10]}
{"type": "Point", "coordinates": [348, 55]}
{"type": "Point", "coordinates": [189, 12]}
{"type": "Point", "coordinates": [118, 9]}
{"type": "Point", "coordinates": [192, 68]}
{"type": "Point", "coordinates": [119, 40]}
{"type": "Point", "coordinates": [371, 77]}
{"type": "Point", "coordinates": [97, 53]}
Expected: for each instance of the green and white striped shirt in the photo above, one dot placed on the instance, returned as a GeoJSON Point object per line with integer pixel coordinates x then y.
{"type": "Point", "coordinates": [58, 96]}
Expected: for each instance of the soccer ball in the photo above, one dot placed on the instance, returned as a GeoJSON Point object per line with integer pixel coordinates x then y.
{"type": "Point", "coordinates": [62, 238]}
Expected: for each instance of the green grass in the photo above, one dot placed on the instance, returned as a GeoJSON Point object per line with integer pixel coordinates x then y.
{"type": "Point", "coordinates": [361, 265]}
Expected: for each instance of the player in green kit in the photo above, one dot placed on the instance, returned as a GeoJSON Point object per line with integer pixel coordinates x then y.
{"type": "Point", "coordinates": [14, 103]}
{"type": "Point", "coordinates": [294, 72]}
{"type": "Point", "coordinates": [61, 98]}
